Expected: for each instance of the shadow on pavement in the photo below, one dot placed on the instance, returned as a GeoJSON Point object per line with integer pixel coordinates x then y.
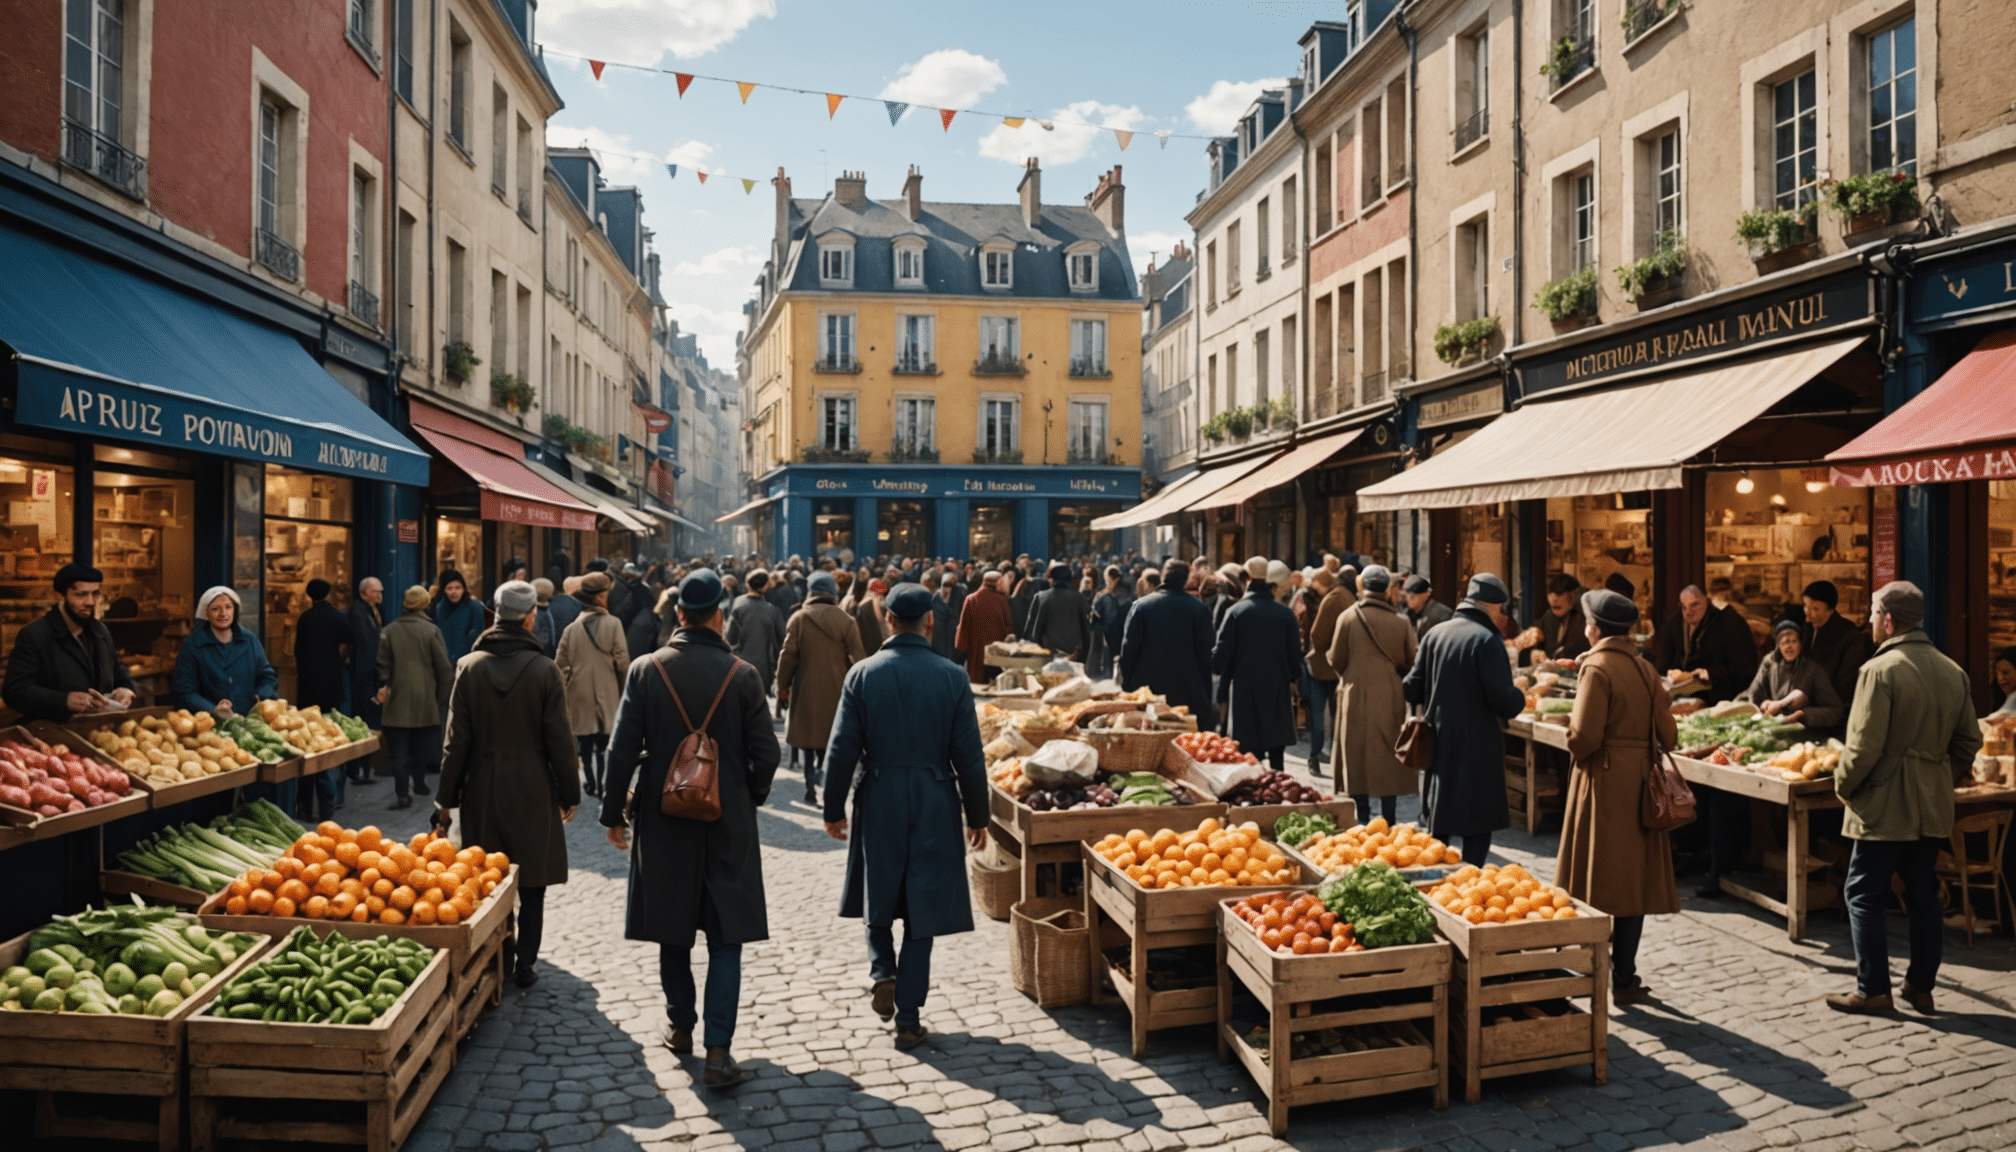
{"type": "Point", "coordinates": [779, 1107]}
{"type": "Point", "coordinates": [1037, 1081]}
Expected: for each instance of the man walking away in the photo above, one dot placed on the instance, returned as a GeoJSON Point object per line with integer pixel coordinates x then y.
{"type": "Point", "coordinates": [1911, 735]}
{"type": "Point", "coordinates": [987, 617]}
{"type": "Point", "coordinates": [1371, 648]}
{"type": "Point", "coordinates": [511, 763]}
{"type": "Point", "coordinates": [1166, 645]}
{"type": "Point", "coordinates": [1259, 654]}
{"type": "Point", "coordinates": [1331, 601]}
{"type": "Point", "coordinates": [689, 876]}
{"type": "Point", "coordinates": [756, 629]}
{"type": "Point", "coordinates": [593, 661]}
{"type": "Point", "coordinates": [906, 723]}
{"type": "Point", "coordinates": [565, 608]}
{"type": "Point", "coordinates": [414, 676]}
{"type": "Point", "coordinates": [1463, 680]}
{"type": "Point", "coordinates": [320, 679]}
{"type": "Point", "coordinates": [821, 642]}
{"type": "Point", "coordinates": [1109, 623]}
{"type": "Point", "coordinates": [942, 629]}
{"type": "Point", "coordinates": [367, 623]}
{"type": "Point", "coordinates": [1424, 611]}
{"type": "Point", "coordinates": [65, 662]}
{"type": "Point", "coordinates": [1057, 615]}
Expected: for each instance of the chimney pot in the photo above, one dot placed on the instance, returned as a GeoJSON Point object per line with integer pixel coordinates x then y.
{"type": "Point", "coordinates": [913, 194]}
{"type": "Point", "coordinates": [1031, 189]}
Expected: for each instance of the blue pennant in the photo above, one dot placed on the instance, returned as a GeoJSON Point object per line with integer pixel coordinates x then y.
{"type": "Point", "coordinates": [896, 110]}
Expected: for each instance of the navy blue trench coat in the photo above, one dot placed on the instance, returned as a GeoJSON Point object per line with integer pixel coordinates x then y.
{"type": "Point", "coordinates": [1464, 679]}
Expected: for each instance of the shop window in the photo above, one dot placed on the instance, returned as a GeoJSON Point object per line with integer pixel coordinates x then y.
{"type": "Point", "coordinates": [308, 520]}
{"type": "Point", "coordinates": [1486, 533]}
{"type": "Point", "coordinates": [990, 532]}
{"type": "Point", "coordinates": [2001, 565]}
{"type": "Point", "coordinates": [458, 544]}
{"type": "Point", "coordinates": [1795, 147]}
{"type": "Point", "coordinates": [1599, 539]}
{"type": "Point", "coordinates": [832, 526]}
{"type": "Point", "coordinates": [36, 540]}
{"type": "Point", "coordinates": [143, 539]}
{"type": "Point", "coordinates": [1071, 532]}
{"type": "Point", "coordinates": [1893, 98]}
{"type": "Point", "coordinates": [903, 528]}
{"type": "Point", "coordinates": [1769, 532]}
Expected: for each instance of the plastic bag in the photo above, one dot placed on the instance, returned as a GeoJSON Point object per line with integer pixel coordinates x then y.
{"type": "Point", "coordinates": [1061, 665]}
{"type": "Point", "coordinates": [1062, 763]}
{"type": "Point", "coordinates": [1072, 691]}
{"type": "Point", "coordinates": [1212, 779]}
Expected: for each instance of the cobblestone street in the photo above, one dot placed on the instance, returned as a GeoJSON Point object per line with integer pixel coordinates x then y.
{"type": "Point", "coordinates": [1737, 1052]}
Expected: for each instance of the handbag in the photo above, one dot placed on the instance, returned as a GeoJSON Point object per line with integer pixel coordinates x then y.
{"type": "Point", "coordinates": [1415, 746]}
{"type": "Point", "coordinates": [693, 779]}
{"type": "Point", "coordinates": [1667, 801]}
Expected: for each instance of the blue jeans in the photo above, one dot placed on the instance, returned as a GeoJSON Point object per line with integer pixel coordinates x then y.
{"type": "Point", "coordinates": [724, 989]}
{"type": "Point", "coordinates": [912, 971]}
{"type": "Point", "coordinates": [1322, 697]}
{"type": "Point", "coordinates": [1869, 872]}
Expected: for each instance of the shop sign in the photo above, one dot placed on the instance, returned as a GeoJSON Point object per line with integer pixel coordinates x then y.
{"type": "Point", "coordinates": [409, 531]}
{"type": "Point", "coordinates": [1951, 291]}
{"type": "Point", "coordinates": [1883, 546]}
{"type": "Point", "coordinates": [1815, 306]}
{"type": "Point", "coordinates": [1942, 468]}
{"type": "Point", "coordinates": [1484, 399]}
{"type": "Point", "coordinates": [538, 515]}
{"type": "Point", "coordinates": [1115, 483]}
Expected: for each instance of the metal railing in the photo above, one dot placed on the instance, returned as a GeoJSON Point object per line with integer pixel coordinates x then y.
{"type": "Point", "coordinates": [913, 452]}
{"type": "Point", "coordinates": [1473, 128]}
{"type": "Point", "coordinates": [363, 304]}
{"type": "Point", "coordinates": [1371, 387]}
{"type": "Point", "coordinates": [1089, 366]}
{"type": "Point", "coordinates": [277, 254]}
{"type": "Point", "coordinates": [999, 364]}
{"type": "Point", "coordinates": [832, 362]}
{"type": "Point", "coordinates": [104, 157]}
{"type": "Point", "coordinates": [915, 363]}
{"type": "Point", "coordinates": [1577, 57]}
{"type": "Point", "coordinates": [1641, 15]}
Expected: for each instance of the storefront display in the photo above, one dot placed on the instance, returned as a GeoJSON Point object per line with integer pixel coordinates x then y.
{"type": "Point", "coordinates": [1771, 532]}
{"type": "Point", "coordinates": [1071, 531]}
{"type": "Point", "coordinates": [992, 531]}
{"type": "Point", "coordinates": [1599, 538]}
{"type": "Point", "coordinates": [307, 538]}
{"type": "Point", "coordinates": [902, 528]}
{"type": "Point", "coordinates": [2001, 574]}
{"type": "Point", "coordinates": [37, 537]}
{"type": "Point", "coordinates": [143, 538]}
{"type": "Point", "coordinates": [1488, 534]}
{"type": "Point", "coordinates": [927, 509]}
{"type": "Point", "coordinates": [832, 527]}
{"type": "Point", "coordinates": [458, 544]}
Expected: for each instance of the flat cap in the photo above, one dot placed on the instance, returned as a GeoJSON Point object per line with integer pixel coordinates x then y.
{"type": "Point", "coordinates": [1609, 608]}
{"type": "Point", "coordinates": [1375, 578]}
{"type": "Point", "coordinates": [1485, 588]}
{"type": "Point", "coordinates": [1901, 601]}
{"type": "Point", "coordinates": [1416, 585]}
{"type": "Point", "coordinates": [515, 598]}
{"type": "Point", "coordinates": [908, 601]}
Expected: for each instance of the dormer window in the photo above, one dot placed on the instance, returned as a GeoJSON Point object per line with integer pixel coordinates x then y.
{"type": "Point", "coordinates": [1309, 66]}
{"type": "Point", "coordinates": [836, 261]}
{"type": "Point", "coordinates": [997, 264]}
{"type": "Point", "coordinates": [1081, 262]}
{"type": "Point", "coordinates": [909, 263]}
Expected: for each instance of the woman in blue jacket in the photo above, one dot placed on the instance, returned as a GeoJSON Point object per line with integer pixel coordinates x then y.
{"type": "Point", "coordinates": [222, 668]}
{"type": "Point", "coordinates": [457, 614]}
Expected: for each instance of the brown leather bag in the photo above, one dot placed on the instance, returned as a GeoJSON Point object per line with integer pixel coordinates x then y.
{"type": "Point", "coordinates": [1667, 801]}
{"type": "Point", "coordinates": [1416, 745]}
{"type": "Point", "coordinates": [693, 779]}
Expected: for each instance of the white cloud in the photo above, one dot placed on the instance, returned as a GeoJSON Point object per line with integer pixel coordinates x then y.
{"type": "Point", "coordinates": [718, 262]}
{"type": "Point", "coordinates": [1162, 245]}
{"type": "Point", "coordinates": [1217, 111]}
{"type": "Point", "coordinates": [624, 162]}
{"type": "Point", "coordinates": [642, 31]}
{"type": "Point", "coordinates": [947, 78]}
{"type": "Point", "coordinates": [1068, 142]}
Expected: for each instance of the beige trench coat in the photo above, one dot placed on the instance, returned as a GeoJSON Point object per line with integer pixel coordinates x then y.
{"type": "Point", "coordinates": [593, 659]}
{"type": "Point", "coordinates": [1373, 647]}
{"type": "Point", "coordinates": [1323, 629]}
{"type": "Point", "coordinates": [1608, 859]}
{"type": "Point", "coordinates": [820, 643]}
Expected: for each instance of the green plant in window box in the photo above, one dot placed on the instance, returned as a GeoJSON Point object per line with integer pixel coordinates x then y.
{"type": "Point", "coordinates": [1214, 428]}
{"type": "Point", "coordinates": [1571, 297]}
{"type": "Point", "coordinates": [1239, 422]}
{"type": "Point", "coordinates": [1564, 61]}
{"type": "Point", "coordinates": [510, 391]}
{"type": "Point", "coordinates": [1641, 15]}
{"type": "Point", "coordinates": [1767, 230]}
{"type": "Point", "coordinates": [1455, 342]}
{"type": "Point", "coordinates": [1279, 414]}
{"type": "Point", "coordinates": [458, 360]}
{"type": "Point", "coordinates": [1872, 200]}
{"type": "Point", "coordinates": [1657, 272]}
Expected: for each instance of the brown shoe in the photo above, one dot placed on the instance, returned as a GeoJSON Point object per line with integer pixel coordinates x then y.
{"type": "Point", "coordinates": [1922, 1001]}
{"type": "Point", "coordinates": [722, 1073]}
{"type": "Point", "coordinates": [884, 1001]}
{"type": "Point", "coordinates": [1857, 1004]}
{"type": "Point", "coordinates": [1633, 993]}
{"type": "Point", "coordinates": [909, 1036]}
{"type": "Point", "coordinates": [679, 1040]}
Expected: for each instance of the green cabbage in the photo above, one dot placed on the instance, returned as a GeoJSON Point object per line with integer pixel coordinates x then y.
{"type": "Point", "coordinates": [1380, 905]}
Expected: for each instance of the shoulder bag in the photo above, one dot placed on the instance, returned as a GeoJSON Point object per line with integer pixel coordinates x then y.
{"type": "Point", "coordinates": [1667, 801]}
{"type": "Point", "coordinates": [1415, 746]}
{"type": "Point", "coordinates": [693, 779]}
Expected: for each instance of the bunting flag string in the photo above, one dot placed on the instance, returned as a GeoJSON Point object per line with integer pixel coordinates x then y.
{"type": "Point", "coordinates": [703, 176]}
{"type": "Point", "coordinates": [748, 186]}
{"type": "Point", "coordinates": [1014, 121]}
{"type": "Point", "coordinates": [672, 171]}
{"type": "Point", "coordinates": [682, 79]}
{"type": "Point", "coordinates": [596, 67]}
{"type": "Point", "coordinates": [1124, 137]}
{"type": "Point", "coordinates": [896, 110]}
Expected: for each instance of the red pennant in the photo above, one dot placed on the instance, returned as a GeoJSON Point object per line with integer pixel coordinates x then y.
{"type": "Point", "coordinates": [596, 67]}
{"type": "Point", "coordinates": [683, 79]}
{"type": "Point", "coordinates": [703, 177]}
{"type": "Point", "coordinates": [945, 115]}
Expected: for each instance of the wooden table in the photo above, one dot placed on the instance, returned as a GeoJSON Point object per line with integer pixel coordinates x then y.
{"type": "Point", "coordinates": [1523, 786]}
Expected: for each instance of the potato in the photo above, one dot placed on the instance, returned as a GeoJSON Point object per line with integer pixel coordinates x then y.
{"type": "Point", "coordinates": [212, 768]}
{"type": "Point", "coordinates": [127, 728]}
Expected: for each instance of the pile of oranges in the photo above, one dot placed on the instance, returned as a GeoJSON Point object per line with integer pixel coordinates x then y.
{"type": "Point", "coordinates": [1402, 846]}
{"type": "Point", "coordinates": [1288, 923]}
{"type": "Point", "coordinates": [334, 873]}
{"type": "Point", "coordinates": [1206, 856]}
{"type": "Point", "coordinates": [1494, 895]}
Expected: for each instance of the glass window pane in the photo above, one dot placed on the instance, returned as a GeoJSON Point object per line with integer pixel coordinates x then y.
{"type": "Point", "coordinates": [1879, 58]}
{"type": "Point", "coordinates": [1906, 90]}
{"type": "Point", "coordinates": [1904, 40]}
{"type": "Point", "coordinates": [1880, 155]}
{"type": "Point", "coordinates": [1806, 90]}
{"type": "Point", "coordinates": [1907, 143]}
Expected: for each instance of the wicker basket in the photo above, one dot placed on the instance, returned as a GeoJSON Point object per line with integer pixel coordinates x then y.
{"type": "Point", "coordinates": [1129, 749]}
{"type": "Point", "coordinates": [1041, 736]}
{"type": "Point", "coordinates": [1047, 958]}
{"type": "Point", "coordinates": [997, 881]}
{"type": "Point", "coordinates": [997, 656]}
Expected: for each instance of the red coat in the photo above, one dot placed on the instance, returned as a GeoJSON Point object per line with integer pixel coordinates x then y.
{"type": "Point", "coordinates": [985, 618]}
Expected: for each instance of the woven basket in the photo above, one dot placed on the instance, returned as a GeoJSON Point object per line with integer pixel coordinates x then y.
{"type": "Point", "coordinates": [997, 881]}
{"type": "Point", "coordinates": [1042, 736]}
{"type": "Point", "coordinates": [1047, 956]}
{"type": "Point", "coordinates": [1129, 749]}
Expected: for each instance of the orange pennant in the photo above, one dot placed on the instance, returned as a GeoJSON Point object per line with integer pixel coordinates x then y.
{"type": "Point", "coordinates": [746, 88]}
{"type": "Point", "coordinates": [945, 115]}
{"type": "Point", "coordinates": [832, 104]}
{"type": "Point", "coordinates": [1124, 137]}
{"type": "Point", "coordinates": [683, 78]}
{"type": "Point", "coordinates": [1013, 121]}
{"type": "Point", "coordinates": [596, 67]}
{"type": "Point", "coordinates": [703, 177]}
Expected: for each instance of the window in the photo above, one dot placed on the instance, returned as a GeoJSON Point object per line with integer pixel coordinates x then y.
{"type": "Point", "coordinates": [1473, 88]}
{"type": "Point", "coordinates": [525, 334]}
{"type": "Point", "coordinates": [1088, 431]}
{"type": "Point", "coordinates": [1324, 165]}
{"type": "Point", "coordinates": [1261, 345]}
{"type": "Point", "coordinates": [526, 152]}
{"type": "Point", "coordinates": [458, 293]}
{"type": "Point", "coordinates": [910, 266]}
{"type": "Point", "coordinates": [402, 49]}
{"type": "Point", "coordinates": [914, 344]}
{"type": "Point", "coordinates": [358, 28]}
{"type": "Point", "coordinates": [1794, 142]}
{"type": "Point", "coordinates": [94, 50]}
{"type": "Point", "coordinates": [836, 264]}
{"type": "Point", "coordinates": [500, 139]}
{"type": "Point", "coordinates": [1893, 99]}
{"type": "Point", "coordinates": [836, 342]}
{"type": "Point", "coordinates": [460, 52]}
{"type": "Point", "coordinates": [1211, 383]}
{"type": "Point", "coordinates": [1371, 155]}
{"type": "Point", "coordinates": [1396, 131]}
{"type": "Point", "coordinates": [1000, 426]}
{"type": "Point", "coordinates": [1290, 208]}
{"type": "Point", "coordinates": [1581, 221]}
{"type": "Point", "coordinates": [269, 166]}
{"type": "Point", "coordinates": [410, 263]}
{"type": "Point", "coordinates": [363, 302]}
{"type": "Point", "coordinates": [500, 321]}
{"type": "Point", "coordinates": [999, 351]}
{"type": "Point", "coordinates": [1088, 348]}
{"type": "Point", "coordinates": [1260, 232]}
{"type": "Point", "coordinates": [1084, 270]}
{"type": "Point", "coordinates": [836, 432]}
{"type": "Point", "coordinates": [997, 268]}
{"type": "Point", "coordinates": [1665, 156]}
{"type": "Point", "coordinates": [1232, 259]}
{"type": "Point", "coordinates": [1288, 347]}
{"type": "Point", "coordinates": [1211, 273]}
{"type": "Point", "coordinates": [916, 419]}
{"type": "Point", "coordinates": [1231, 375]}
{"type": "Point", "coordinates": [273, 210]}
{"type": "Point", "coordinates": [1473, 269]}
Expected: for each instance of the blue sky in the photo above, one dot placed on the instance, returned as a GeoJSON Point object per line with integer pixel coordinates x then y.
{"type": "Point", "coordinates": [1181, 67]}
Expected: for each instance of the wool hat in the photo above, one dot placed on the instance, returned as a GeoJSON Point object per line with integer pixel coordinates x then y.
{"type": "Point", "coordinates": [1277, 573]}
{"type": "Point", "coordinates": [1823, 591]}
{"type": "Point", "coordinates": [878, 586]}
{"type": "Point", "coordinates": [416, 598]}
{"type": "Point", "coordinates": [515, 598]}
{"type": "Point", "coordinates": [701, 590]}
{"type": "Point", "coordinates": [1375, 578]}
{"type": "Point", "coordinates": [209, 594]}
{"type": "Point", "coordinates": [1902, 602]}
{"type": "Point", "coordinates": [1789, 625]}
{"type": "Point", "coordinates": [1256, 568]}
{"type": "Point", "coordinates": [908, 601]}
{"type": "Point", "coordinates": [595, 583]}
{"type": "Point", "coordinates": [1416, 585]}
{"type": "Point", "coordinates": [1484, 588]}
{"type": "Point", "coordinates": [77, 574]}
{"type": "Point", "coordinates": [543, 587]}
{"type": "Point", "coordinates": [822, 584]}
{"type": "Point", "coordinates": [1609, 609]}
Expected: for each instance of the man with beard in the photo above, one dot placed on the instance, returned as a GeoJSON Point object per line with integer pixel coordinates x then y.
{"type": "Point", "coordinates": [65, 663]}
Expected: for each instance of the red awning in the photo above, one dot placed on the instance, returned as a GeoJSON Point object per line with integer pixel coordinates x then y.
{"type": "Point", "coordinates": [1961, 428]}
{"type": "Point", "coordinates": [511, 492]}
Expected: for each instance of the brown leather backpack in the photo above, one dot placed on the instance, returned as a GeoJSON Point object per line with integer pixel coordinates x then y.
{"type": "Point", "coordinates": [693, 779]}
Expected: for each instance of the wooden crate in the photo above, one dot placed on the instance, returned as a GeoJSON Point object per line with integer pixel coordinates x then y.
{"type": "Point", "coordinates": [164, 795]}
{"type": "Point", "coordinates": [1143, 920]}
{"type": "Point", "coordinates": [1416, 872]}
{"type": "Point", "coordinates": [355, 750]}
{"type": "Point", "coordinates": [68, 1058]}
{"type": "Point", "coordinates": [323, 1083]}
{"type": "Point", "coordinates": [478, 984]}
{"type": "Point", "coordinates": [1291, 987]}
{"type": "Point", "coordinates": [113, 882]}
{"type": "Point", "coordinates": [27, 826]}
{"type": "Point", "coordinates": [1506, 973]}
{"type": "Point", "coordinates": [1341, 808]}
{"type": "Point", "coordinates": [1037, 839]}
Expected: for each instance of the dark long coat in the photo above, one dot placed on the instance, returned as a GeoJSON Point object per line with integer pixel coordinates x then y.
{"type": "Point", "coordinates": [906, 728]}
{"type": "Point", "coordinates": [756, 632]}
{"type": "Point", "coordinates": [1841, 648]}
{"type": "Point", "coordinates": [1259, 653]}
{"type": "Point", "coordinates": [1058, 620]}
{"type": "Point", "coordinates": [319, 637]}
{"type": "Point", "coordinates": [47, 664]}
{"type": "Point", "coordinates": [367, 621]}
{"type": "Point", "coordinates": [1720, 645]}
{"type": "Point", "coordinates": [986, 617]}
{"type": "Point", "coordinates": [679, 867]}
{"type": "Point", "coordinates": [1166, 645]}
{"type": "Point", "coordinates": [1463, 679]}
{"type": "Point", "coordinates": [511, 763]}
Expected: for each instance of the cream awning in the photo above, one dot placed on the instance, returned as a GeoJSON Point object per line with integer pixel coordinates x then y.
{"type": "Point", "coordinates": [1151, 509]}
{"type": "Point", "coordinates": [745, 509]}
{"type": "Point", "coordinates": [625, 518]}
{"type": "Point", "coordinates": [1625, 440]}
{"type": "Point", "coordinates": [1216, 480]}
{"type": "Point", "coordinates": [1280, 470]}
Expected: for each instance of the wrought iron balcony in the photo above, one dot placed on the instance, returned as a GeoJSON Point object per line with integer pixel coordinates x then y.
{"type": "Point", "coordinates": [363, 304]}
{"type": "Point", "coordinates": [913, 452]}
{"type": "Point", "coordinates": [915, 363]}
{"type": "Point", "coordinates": [834, 362]}
{"type": "Point", "coordinates": [1474, 128]}
{"type": "Point", "coordinates": [999, 364]}
{"type": "Point", "coordinates": [1641, 15]}
{"type": "Point", "coordinates": [276, 254]}
{"type": "Point", "coordinates": [105, 158]}
{"type": "Point", "coordinates": [1089, 366]}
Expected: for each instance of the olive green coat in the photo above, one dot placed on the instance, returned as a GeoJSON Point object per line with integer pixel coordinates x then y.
{"type": "Point", "coordinates": [1911, 736]}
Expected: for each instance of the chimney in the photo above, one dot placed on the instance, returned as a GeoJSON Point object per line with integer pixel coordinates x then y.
{"type": "Point", "coordinates": [782, 184]}
{"type": "Point", "coordinates": [913, 194]}
{"type": "Point", "coordinates": [851, 189]}
{"type": "Point", "coordinates": [1108, 202]}
{"type": "Point", "coordinates": [1182, 251]}
{"type": "Point", "coordinates": [1031, 189]}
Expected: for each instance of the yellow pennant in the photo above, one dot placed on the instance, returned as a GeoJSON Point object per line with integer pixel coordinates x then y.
{"type": "Point", "coordinates": [746, 89]}
{"type": "Point", "coordinates": [1013, 121]}
{"type": "Point", "coordinates": [747, 185]}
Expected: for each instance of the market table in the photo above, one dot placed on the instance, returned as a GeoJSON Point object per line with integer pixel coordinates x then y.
{"type": "Point", "coordinates": [1523, 787]}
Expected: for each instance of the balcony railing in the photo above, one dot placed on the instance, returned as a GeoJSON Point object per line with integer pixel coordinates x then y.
{"type": "Point", "coordinates": [1089, 366]}
{"type": "Point", "coordinates": [1641, 15]}
{"type": "Point", "coordinates": [1371, 387]}
{"type": "Point", "coordinates": [1473, 128]}
{"type": "Point", "coordinates": [1572, 56]}
{"type": "Point", "coordinates": [820, 455]}
{"type": "Point", "coordinates": [363, 304]}
{"type": "Point", "coordinates": [915, 363]}
{"type": "Point", "coordinates": [1090, 457]}
{"type": "Point", "coordinates": [999, 364]}
{"type": "Point", "coordinates": [834, 362]}
{"type": "Point", "coordinates": [105, 158]}
{"type": "Point", "coordinates": [997, 456]}
{"type": "Point", "coordinates": [276, 254]}
{"type": "Point", "coordinates": [912, 452]}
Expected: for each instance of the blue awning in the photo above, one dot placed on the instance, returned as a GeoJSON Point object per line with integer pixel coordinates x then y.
{"type": "Point", "coordinates": [106, 353]}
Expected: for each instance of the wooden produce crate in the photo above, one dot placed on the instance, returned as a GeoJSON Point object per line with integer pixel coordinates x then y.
{"type": "Point", "coordinates": [355, 750]}
{"type": "Point", "coordinates": [1413, 872]}
{"type": "Point", "coordinates": [323, 1083]}
{"type": "Point", "coordinates": [477, 984]}
{"type": "Point", "coordinates": [1037, 839]}
{"type": "Point", "coordinates": [74, 1063]}
{"type": "Point", "coordinates": [1512, 988]}
{"type": "Point", "coordinates": [1341, 808]}
{"type": "Point", "coordinates": [1122, 913]}
{"type": "Point", "coordinates": [463, 941]}
{"type": "Point", "coordinates": [25, 826]}
{"type": "Point", "coordinates": [113, 882]}
{"type": "Point", "coordinates": [164, 795]}
{"type": "Point", "coordinates": [1406, 990]}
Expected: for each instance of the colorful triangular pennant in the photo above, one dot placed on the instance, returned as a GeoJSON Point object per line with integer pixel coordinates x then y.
{"type": "Point", "coordinates": [832, 104]}
{"type": "Point", "coordinates": [672, 170]}
{"type": "Point", "coordinates": [1125, 137]}
{"type": "Point", "coordinates": [1163, 136]}
{"type": "Point", "coordinates": [896, 109]}
{"type": "Point", "coordinates": [596, 67]}
{"type": "Point", "coordinates": [702, 175]}
{"type": "Point", "coordinates": [945, 116]}
{"type": "Point", "coordinates": [683, 79]}
{"type": "Point", "coordinates": [748, 186]}
{"type": "Point", "coordinates": [746, 88]}
{"type": "Point", "coordinates": [1014, 121]}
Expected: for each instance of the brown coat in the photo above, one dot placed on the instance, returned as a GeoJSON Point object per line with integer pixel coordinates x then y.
{"type": "Point", "coordinates": [593, 659]}
{"type": "Point", "coordinates": [820, 643]}
{"type": "Point", "coordinates": [1607, 858]}
{"type": "Point", "coordinates": [1372, 648]}
{"type": "Point", "coordinates": [1323, 629]}
{"type": "Point", "coordinates": [985, 618]}
{"type": "Point", "coordinates": [867, 613]}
